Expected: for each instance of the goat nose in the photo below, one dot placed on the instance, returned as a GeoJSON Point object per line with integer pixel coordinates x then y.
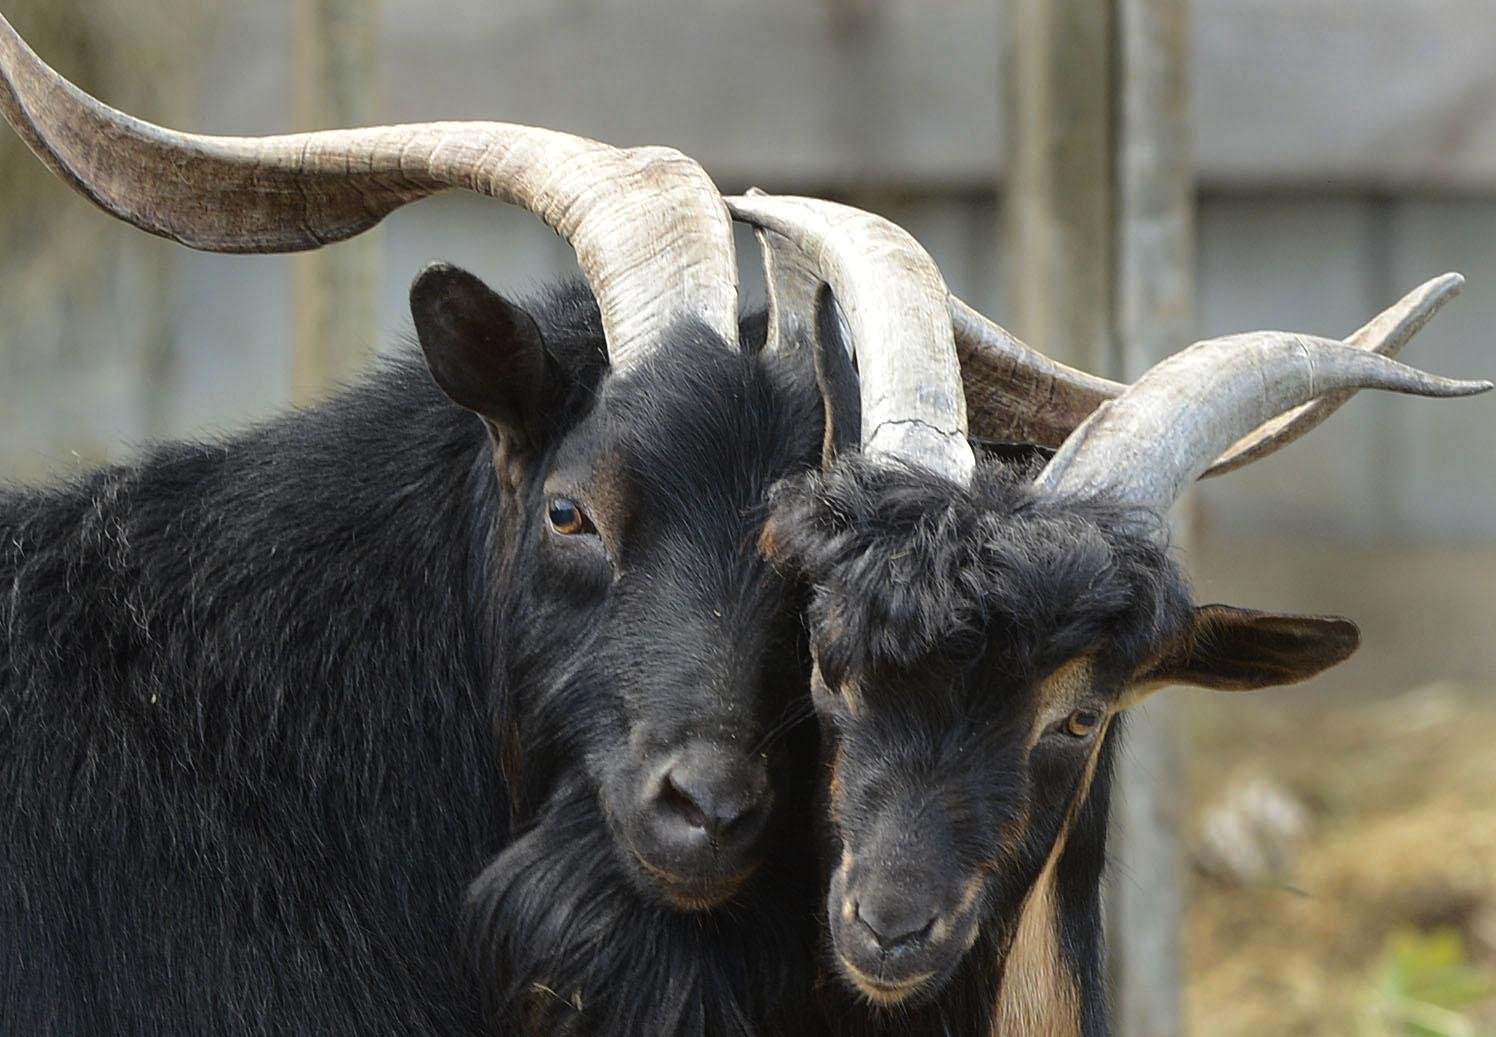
{"type": "Point", "coordinates": [712, 795]}
{"type": "Point", "coordinates": [896, 921]}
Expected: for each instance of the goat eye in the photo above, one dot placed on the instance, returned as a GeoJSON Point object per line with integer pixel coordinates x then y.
{"type": "Point", "coordinates": [567, 518]}
{"type": "Point", "coordinates": [1081, 723]}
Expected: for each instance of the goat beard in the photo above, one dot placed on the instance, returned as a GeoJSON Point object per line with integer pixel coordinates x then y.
{"type": "Point", "coordinates": [560, 942]}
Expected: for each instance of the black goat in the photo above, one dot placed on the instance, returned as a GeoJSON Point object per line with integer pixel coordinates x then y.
{"type": "Point", "coordinates": [975, 642]}
{"type": "Point", "coordinates": [978, 627]}
{"type": "Point", "coordinates": [267, 706]}
{"type": "Point", "coordinates": [940, 621]}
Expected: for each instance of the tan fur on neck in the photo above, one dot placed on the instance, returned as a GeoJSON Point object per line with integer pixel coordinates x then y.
{"type": "Point", "coordinates": [1040, 996]}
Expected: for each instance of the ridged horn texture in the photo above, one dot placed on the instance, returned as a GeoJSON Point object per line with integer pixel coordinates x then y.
{"type": "Point", "coordinates": [1146, 446]}
{"type": "Point", "coordinates": [1016, 394]}
{"type": "Point", "coordinates": [648, 226]}
{"type": "Point", "coordinates": [895, 305]}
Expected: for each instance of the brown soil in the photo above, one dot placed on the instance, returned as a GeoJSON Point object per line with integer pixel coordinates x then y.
{"type": "Point", "coordinates": [1403, 794]}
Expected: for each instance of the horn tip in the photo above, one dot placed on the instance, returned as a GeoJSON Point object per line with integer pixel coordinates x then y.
{"type": "Point", "coordinates": [1459, 387]}
{"type": "Point", "coordinates": [1448, 284]}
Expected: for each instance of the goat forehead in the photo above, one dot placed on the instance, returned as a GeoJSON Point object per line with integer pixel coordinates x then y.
{"type": "Point", "coordinates": [694, 450]}
{"type": "Point", "coordinates": [1014, 651]}
{"type": "Point", "coordinates": [704, 395]}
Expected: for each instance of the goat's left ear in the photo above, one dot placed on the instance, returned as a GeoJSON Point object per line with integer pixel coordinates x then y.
{"type": "Point", "coordinates": [486, 353]}
{"type": "Point", "coordinates": [1233, 649]}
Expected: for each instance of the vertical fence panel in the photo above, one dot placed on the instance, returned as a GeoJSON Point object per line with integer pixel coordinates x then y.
{"type": "Point", "coordinates": [335, 74]}
{"type": "Point", "coordinates": [1100, 213]}
{"type": "Point", "coordinates": [1153, 317]}
{"type": "Point", "coordinates": [1059, 203]}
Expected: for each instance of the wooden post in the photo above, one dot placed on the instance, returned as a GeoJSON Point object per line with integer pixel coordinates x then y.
{"type": "Point", "coordinates": [334, 57]}
{"type": "Point", "coordinates": [1059, 202]}
{"type": "Point", "coordinates": [1154, 291]}
{"type": "Point", "coordinates": [1100, 221]}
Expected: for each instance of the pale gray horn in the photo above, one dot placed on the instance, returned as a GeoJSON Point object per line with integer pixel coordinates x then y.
{"type": "Point", "coordinates": [897, 312]}
{"type": "Point", "coordinates": [1016, 394]}
{"type": "Point", "coordinates": [648, 226]}
{"type": "Point", "coordinates": [1146, 446]}
{"type": "Point", "coordinates": [1385, 334]}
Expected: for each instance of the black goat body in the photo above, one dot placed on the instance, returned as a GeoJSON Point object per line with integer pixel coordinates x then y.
{"type": "Point", "coordinates": [268, 706]}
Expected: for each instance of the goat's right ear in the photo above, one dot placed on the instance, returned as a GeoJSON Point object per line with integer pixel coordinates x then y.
{"type": "Point", "coordinates": [485, 353]}
{"type": "Point", "coordinates": [1232, 649]}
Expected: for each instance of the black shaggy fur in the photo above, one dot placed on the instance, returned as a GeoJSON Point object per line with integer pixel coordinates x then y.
{"type": "Point", "coordinates": [269, 706]}
{"type": "Point", "coordinates": [942, 606]}
{"type": "Point", "coordinates": [912, 569]}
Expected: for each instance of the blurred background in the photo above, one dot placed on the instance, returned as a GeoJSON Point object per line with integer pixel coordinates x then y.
{"type": "Point", "coordinates": [1337, 842]}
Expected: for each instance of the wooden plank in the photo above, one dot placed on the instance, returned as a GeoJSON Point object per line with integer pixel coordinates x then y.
{"type": "Point", "coordinates": [1377, 93]}
{"type": "Point", "coordinates": [1058, 205]}
{"type": "Point", "coordinates": [771, 93]}
{"type": "Point", "coordinates": [1304, 93]}
{"type": "Point", "coordinates": [1153, 303]}
{"type": "Point", "coordinates": [1301, 94]}
{"type": "Point", "coordinates": [87, 350]}
{"type": "Point", "coordinates": [335, 69]}
{"type": "Point", "coordinates": [1439, 459]}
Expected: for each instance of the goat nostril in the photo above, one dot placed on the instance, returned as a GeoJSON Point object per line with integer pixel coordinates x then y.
{"type": "Point", "coordinates": [709, 808]}
{"type": "Point", "coordinates": [675, 798]}
{"type": "Point", "coordinates": [895, 928]}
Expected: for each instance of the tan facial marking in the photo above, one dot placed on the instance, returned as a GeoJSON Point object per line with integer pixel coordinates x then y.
{"type": "Point", "coordinates": [851, 695]}
{"type": "Point", "coordinates": [1061, 692]}
{"type": "Point", "coordinates": [876, 990]}
{"type": "Point", "coordinates": [941, 930]}
{"type": "Point", "coordinates": [1039, 994]}
{"type": "Point", "coordinates": [835, 786]}
{"type": "Point", "coordinates": [843, 871]}
{"type": "Point", "coordinates": [609, 501]}
{"type": "Point", "coordinates": [768, 542]}
{"type": "Point", "coordinates": [847, 690]}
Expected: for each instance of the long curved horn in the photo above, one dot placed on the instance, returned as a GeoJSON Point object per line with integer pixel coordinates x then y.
{"type": "Point", "coordinates": [1146, 446]}
{"type": "Point", "coordinates": [1385, 334]}
{"type": "Point", "coordinates": [1015, 393]}
{"type": "Point", "coordinates": [648, 226]}
{"type": "Point", "coordinates": [895, 304]}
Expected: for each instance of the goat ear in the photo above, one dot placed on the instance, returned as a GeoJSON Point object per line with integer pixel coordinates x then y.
{"type": "Point", "coordinates": [837, 377]}
{"type": "Point", "coordinates": [485, 353]}
{"type": "Point", "coordinates": [1233, 649]}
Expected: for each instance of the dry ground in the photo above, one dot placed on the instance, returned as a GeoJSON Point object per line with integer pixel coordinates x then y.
{"type": "Point", "coordinates": [1386, 924]}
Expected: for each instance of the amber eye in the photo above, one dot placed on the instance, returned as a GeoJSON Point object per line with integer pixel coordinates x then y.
{"type": "Point", "coordinates": [567, 518]}
{"type": "Point", "coordinates": [1081, 723]}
